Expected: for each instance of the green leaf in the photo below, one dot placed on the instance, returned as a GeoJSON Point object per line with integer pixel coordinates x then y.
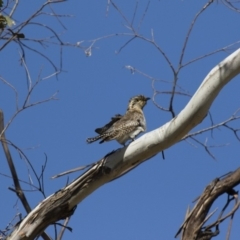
{"type": "Point", "coordinates": [9, 21]}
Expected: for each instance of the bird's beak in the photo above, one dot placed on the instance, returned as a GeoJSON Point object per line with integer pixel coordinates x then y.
{"type": "Point", "coordinates": [148, 98]}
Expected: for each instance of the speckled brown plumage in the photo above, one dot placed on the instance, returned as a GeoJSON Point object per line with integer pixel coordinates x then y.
{"type": "Point", "coordinates": [123, 128]}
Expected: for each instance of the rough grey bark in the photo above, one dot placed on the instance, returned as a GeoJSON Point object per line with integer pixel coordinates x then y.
{"type": "Point", "coordinates": [195, 219]}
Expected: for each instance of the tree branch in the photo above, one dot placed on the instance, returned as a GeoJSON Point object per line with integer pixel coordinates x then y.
{"type": "Point", "coordinates": [63, 203]}
{"type": "Point", "coordinates": [18, 189]}
{"type": "Point", "coordinates": [192, 226]}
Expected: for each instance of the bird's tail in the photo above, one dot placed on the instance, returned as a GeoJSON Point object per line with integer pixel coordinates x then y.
{"type": "Point", "coordinates": [93, 139]}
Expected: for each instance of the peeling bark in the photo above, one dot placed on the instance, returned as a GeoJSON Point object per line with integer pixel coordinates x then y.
{"type": "Point", "coordinates": [63, 203]}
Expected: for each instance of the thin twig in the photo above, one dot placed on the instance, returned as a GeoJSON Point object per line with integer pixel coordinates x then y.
{"type": "Point", "coordinates": [190, 30]}
{"type": "Point", "coordinates": [64, 227]}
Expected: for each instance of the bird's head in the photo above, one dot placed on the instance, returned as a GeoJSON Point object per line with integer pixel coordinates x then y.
{"type": "Point", "coordinates": [137, 102]}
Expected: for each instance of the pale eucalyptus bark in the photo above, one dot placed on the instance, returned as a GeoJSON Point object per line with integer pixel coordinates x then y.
{"type": "Point", "coordinates": [62, 203]}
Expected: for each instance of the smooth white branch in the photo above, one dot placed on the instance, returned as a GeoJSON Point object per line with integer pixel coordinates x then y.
{"type": "Point", "coordinates": [62, 203]}
{"type": "Point", "coordinates": [173, 131]}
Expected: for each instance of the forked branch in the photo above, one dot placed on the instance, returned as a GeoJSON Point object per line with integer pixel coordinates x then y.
{"type": "Point", "coordinates": [193, 226]}
{"type": "Point", "coordinates": [63, 203]}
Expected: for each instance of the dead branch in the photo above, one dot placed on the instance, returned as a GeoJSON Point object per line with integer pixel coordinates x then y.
{"type": "Point", "coordinates": [58, 206]}
{"type": "Point", "coordinates": [18, 189]}
{"type": "Point", "coordinates": [192, 228]}
{"type": "Point", "coordinates": [62, 204]}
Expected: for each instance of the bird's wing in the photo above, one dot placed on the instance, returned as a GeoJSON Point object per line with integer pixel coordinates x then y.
{"type": "Point", "coordinates": [103, 129]}
{"type": "Point", "coordinates": [126, 124]}
{"type": "Point", "coordinates": [129, 121]}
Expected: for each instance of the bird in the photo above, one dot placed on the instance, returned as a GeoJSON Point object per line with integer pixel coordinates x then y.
{"type": "Point", "coordinates": [124, 127]}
